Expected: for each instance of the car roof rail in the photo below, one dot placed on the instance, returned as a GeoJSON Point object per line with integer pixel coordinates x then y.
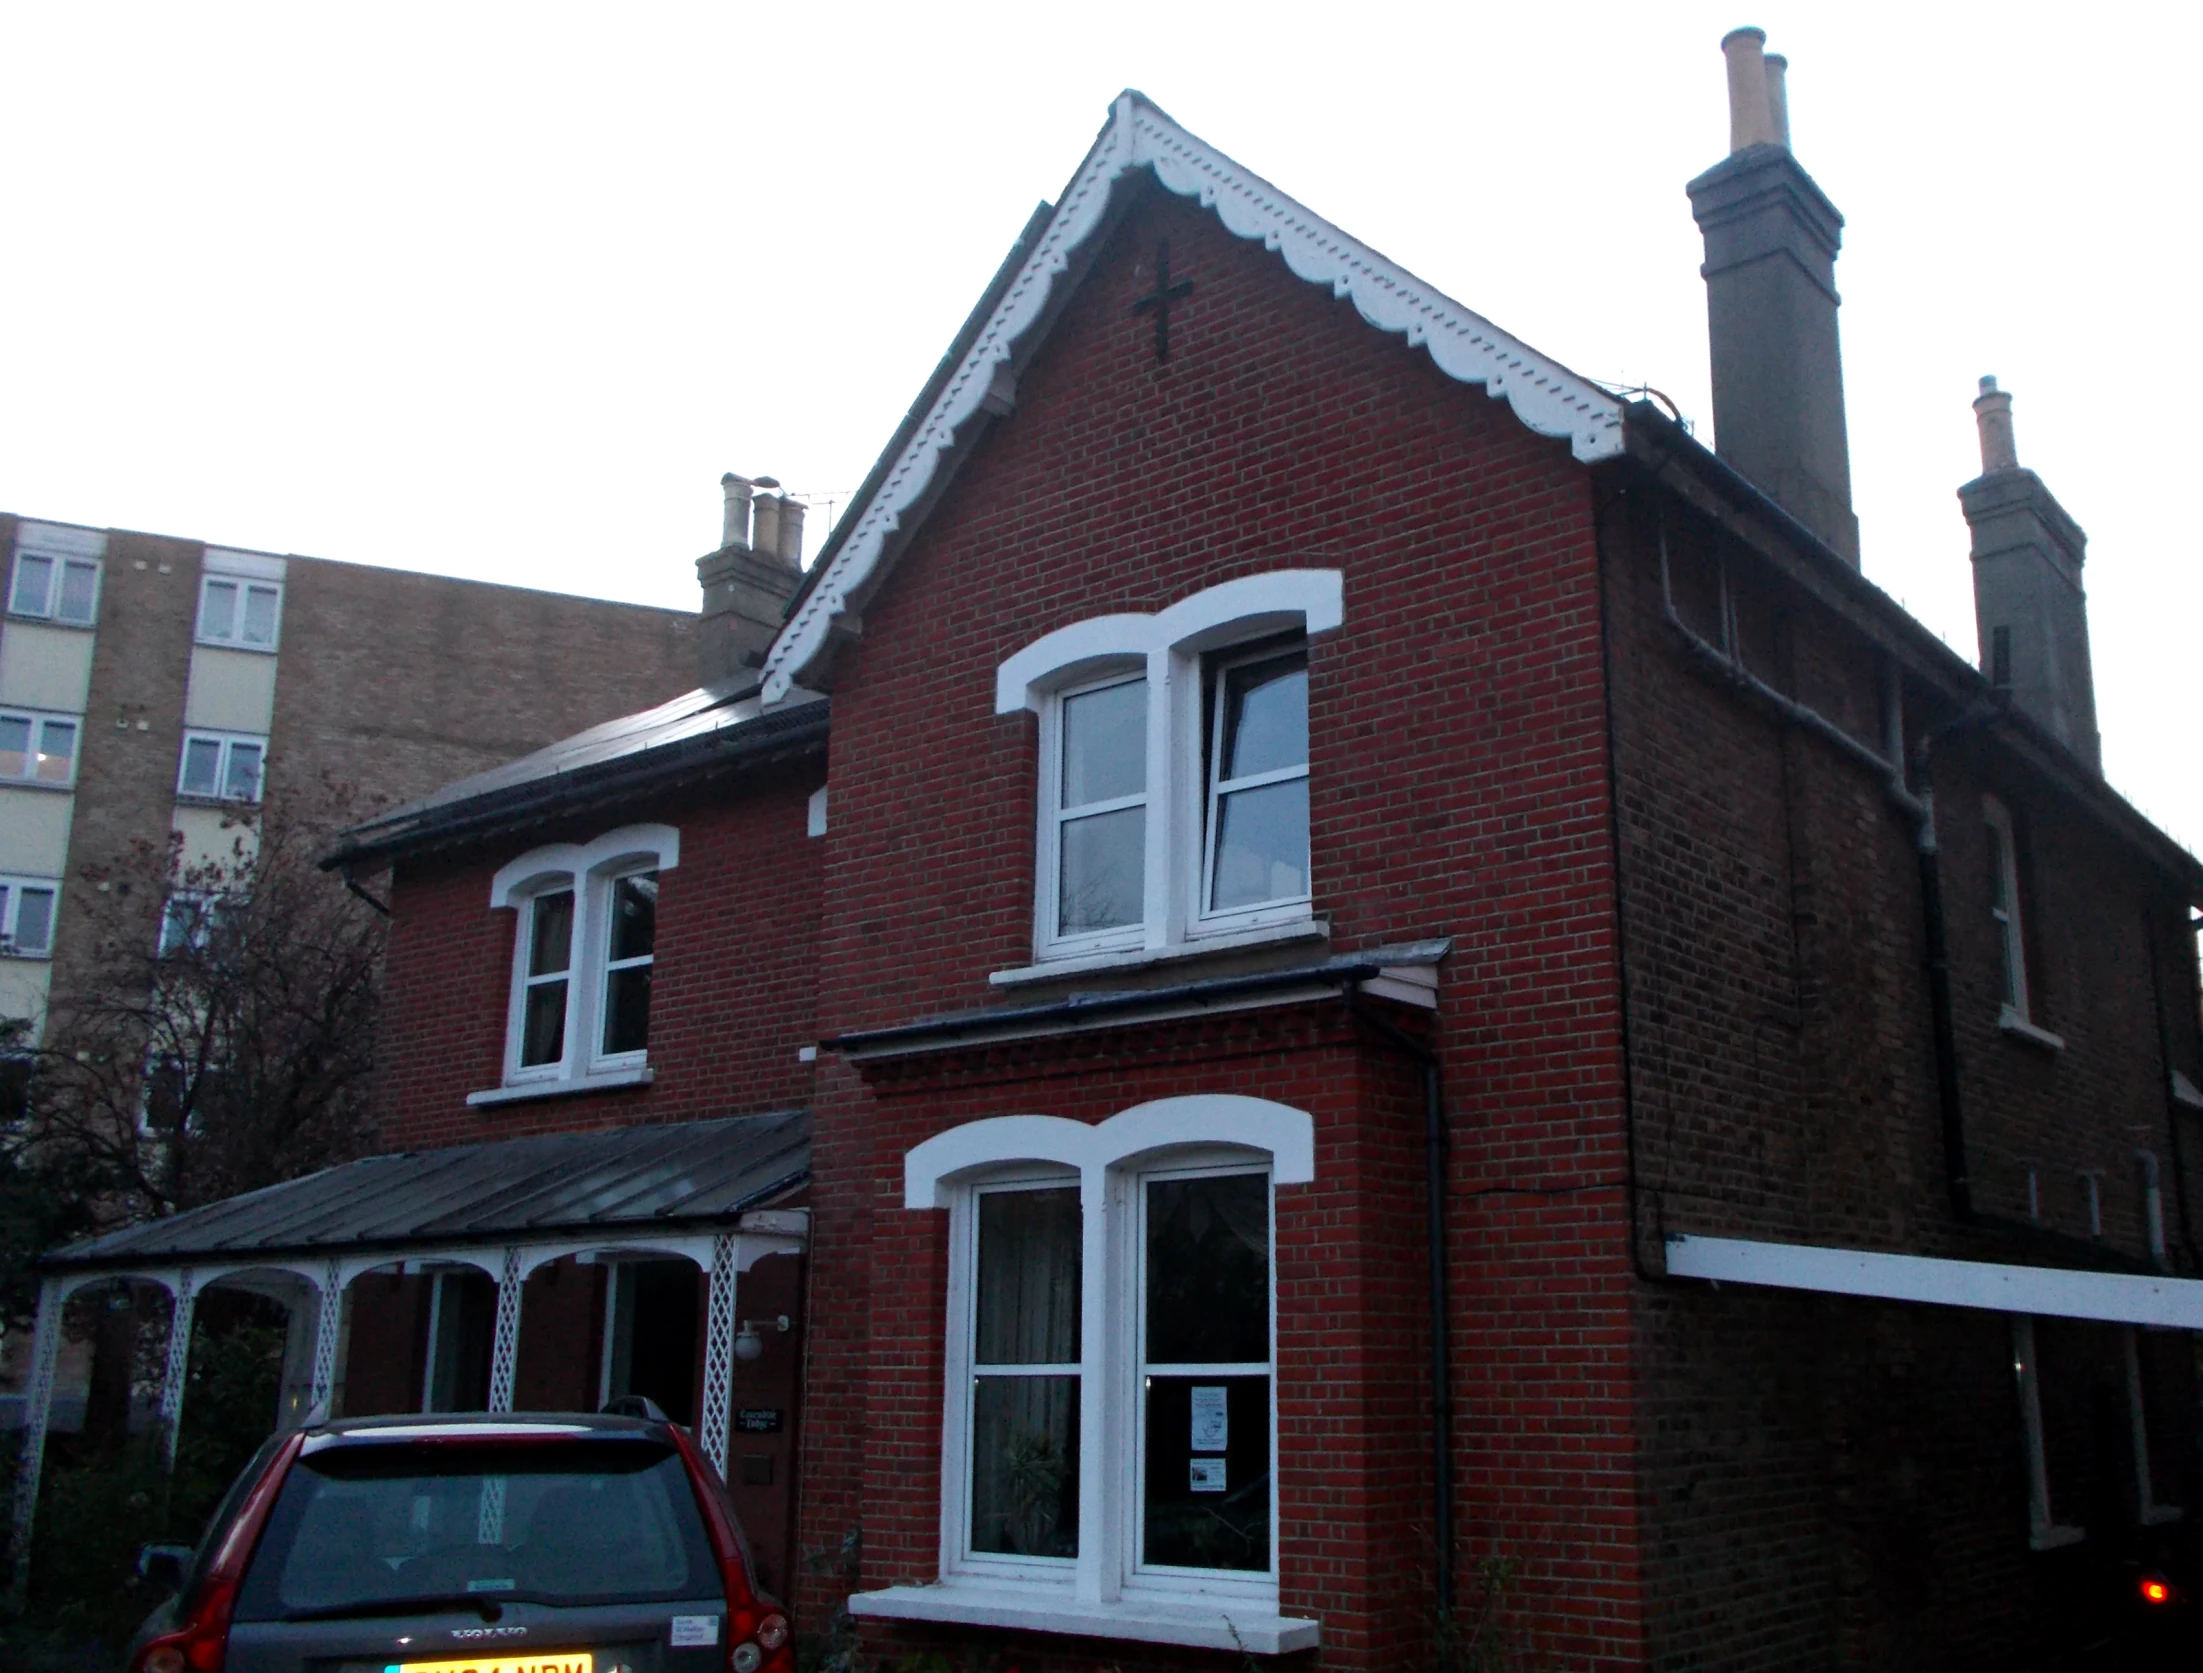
{"type": "Point", "coordinates": [633, 1405]}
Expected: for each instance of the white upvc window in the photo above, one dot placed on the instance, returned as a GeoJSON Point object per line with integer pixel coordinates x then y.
{"type": "Point", "coordinates": [584, 953]}
{"type": "Point", "coordinates": [2044, 1532]}
{"type": "Point", "coordinates": [38, 748]}
{"type": "Point", "coordinates": [1109, 1435]}
{"type": "Point", "coordinates": [239, 612]}
{"type": "Point", "coordinates": [56, 586]}
{"type": "Point", "coordinates": [189, 920]}
{"type": "Point", "coordinates": [2004, 905]}
{"type": "Point", "coordinates": [222, 766]}
{"type": "Point", "coordinates": [1174, 768]}
{"type": "Point", "coordinates": [27, 906]}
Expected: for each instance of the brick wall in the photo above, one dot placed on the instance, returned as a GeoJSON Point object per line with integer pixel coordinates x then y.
{"type": "Point", "coordinates": [1841, 1483]}
{"type": "Point", "coordinates": [732, 988]}
{"type": "Point", "coordinates": [1458, 788]}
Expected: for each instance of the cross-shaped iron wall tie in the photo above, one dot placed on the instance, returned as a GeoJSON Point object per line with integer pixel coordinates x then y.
{"type": "Point", "coordinates": [1159, 304]}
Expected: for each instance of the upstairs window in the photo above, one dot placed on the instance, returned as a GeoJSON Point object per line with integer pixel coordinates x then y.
{"type": "Point", "coordinates": [584, 955]}
{"type": "Point", "coordinates": [190, 921]}
{"type": "Point", "coordinates": [2004, 909]}
{"type": "Point", "coordinates": [54, 587]}
{"type": "Point", "coordinates": [222, 767]}
{"type": "Point", "coordinates": [1174, 756]}
{"type": "Point", "coordinates": [27, 916]}
{"type": "Point", "coordinates": [238, 612]}
{"type": "Point", "coordinates": [38, 748]}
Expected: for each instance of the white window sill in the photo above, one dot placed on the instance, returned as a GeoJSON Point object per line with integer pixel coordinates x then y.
{"type": "Point", "coordinates": [1140, 958]}
{"type": "Point", "coordinates": [191, 798]}
{"type": "Point", "coordinates": [571, 1086]}
{"type": "Point", "coordinates": [37, 784]}
{"type": "Point", "coordinates": [43, 955]}
{"type": "Point", "coordinates": [2021, 1029]}
{"type": "Point", "coordinates": [2158, 1515]}
{"type": "Point", "coordinates": [2184, 1092]}
{"type": "Point", "coordinates": [233, 645]}
{"type": "Point", "coordinates": [52, 621]}
{"type": "Point", "coordinates": [1219, 1624]}
{"type": "Point", "coordinates": [2049, 1539]}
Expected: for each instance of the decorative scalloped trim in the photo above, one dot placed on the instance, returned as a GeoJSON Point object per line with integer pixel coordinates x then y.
{"type": "Point", "coordinates": [1544, 395]}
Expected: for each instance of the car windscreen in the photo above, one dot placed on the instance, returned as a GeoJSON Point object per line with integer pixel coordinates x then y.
{"type": "Point", "coordinates": [377, 1527]}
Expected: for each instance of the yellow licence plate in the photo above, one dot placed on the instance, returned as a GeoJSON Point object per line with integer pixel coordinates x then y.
{"type": "Point", "coordinates": [505, 1661]}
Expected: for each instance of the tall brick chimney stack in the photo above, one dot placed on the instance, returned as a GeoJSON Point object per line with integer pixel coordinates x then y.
{"type": "Point", "coordinates": [1771, 242]}
{"type": "Point", "coordinates": [747, 583]}
{"type": "Point", "coordinates": [2029, 608]}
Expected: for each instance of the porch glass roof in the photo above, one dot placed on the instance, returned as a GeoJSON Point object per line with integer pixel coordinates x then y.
{"type": "Point", "coordinates": [625, 1179]}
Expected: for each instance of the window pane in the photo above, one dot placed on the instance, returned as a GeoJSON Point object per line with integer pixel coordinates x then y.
{"type": "Point", "coordinates": [1262, 847]}
{"type": "Point", "coordinates": [1102, 871]}
{"type": "Point", "coordinates": [243, 781]}
{"type": "Point", "coordinates": [543, 1029]}
{"type": "Point", "coordinates": [634, 916]}
{"type": "Point", "coordinates": [1105, 744]}
{"type": "Point", "coordinates": [1028, 1290]}
{"type": "Point", "coordinates": [1206, 1500]}
{"type": "Point", "coordinates": [15, 747]}
{"type": "Point", "coordinates": [56, 750]}
{"type": "Point", "coordinates": [218, 610]}
{"type": "Point", "coordinates": [202, 766]}
{"type": "Point", "coordinates": [551, 933]}
{"type": "Point", "coordinates": [1025, 1466]}
{"type": "Point", "coordinates": [627, 1009]}
{"type": "Point", "coordinates": [1266, 716]}
{"type": "Point", "coordinates": [78, 581]}
{"type": "Point", "coordinates": [34, 920]}
{"type": "Point", "coordinates": [34, 578]}
{"type": "Point", "coordinates": [259, 616]}
{"type": "Point", "coordinates": [1208, 1270]}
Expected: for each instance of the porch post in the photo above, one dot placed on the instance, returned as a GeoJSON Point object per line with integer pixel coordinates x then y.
{"type": "Point", "coordinates": [38, 1399]}
{"type": "Point", "coordinates": [327, 1327]}
{"type": "Point", "coordinates": [719, 1328]}
{"type": "Point", "coordinates": [505, 1344]}
{"type": "Point", "coordinates": [185, 1296]}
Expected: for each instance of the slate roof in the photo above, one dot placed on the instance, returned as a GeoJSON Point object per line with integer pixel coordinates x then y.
{"type": "Point", "coordinates": [701, 732]}
{"type": "Point", "coordinates": [669, 1176]}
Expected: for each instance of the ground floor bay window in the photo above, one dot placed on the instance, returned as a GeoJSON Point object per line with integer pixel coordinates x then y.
{"type": "Point", "coordinates": [1109, 1429]}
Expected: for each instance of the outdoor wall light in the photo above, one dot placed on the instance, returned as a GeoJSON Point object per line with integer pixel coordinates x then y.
{"type": "Point", "coordinates": [747, 1344]}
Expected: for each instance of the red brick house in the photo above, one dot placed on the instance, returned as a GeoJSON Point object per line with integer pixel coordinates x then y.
{"type": "Point", "coordinates": [1395, 967]}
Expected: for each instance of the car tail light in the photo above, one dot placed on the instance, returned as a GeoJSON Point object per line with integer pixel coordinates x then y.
{"type": "Point", "coordinates": [199, 1643]}
{"type": "Point", "coordinates": [757, 1628]}
{"type": "Point", "coordinates": [2156, 1588]}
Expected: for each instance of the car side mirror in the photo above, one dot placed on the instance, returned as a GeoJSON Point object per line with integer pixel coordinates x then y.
{"type": "Point", "coordinates": [164, 1565]}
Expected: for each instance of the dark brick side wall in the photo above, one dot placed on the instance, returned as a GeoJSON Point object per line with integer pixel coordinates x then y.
{"type": "Point", "coordinates": [398, 683]}
{"type": "Point", "coordinates": [1457, 788]}
{"type": "Point", "coordinates": [733, 986]}
{"type": "Point", "coordinates": [1841, 1483]}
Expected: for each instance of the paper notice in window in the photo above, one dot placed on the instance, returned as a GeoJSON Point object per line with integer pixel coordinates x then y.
{"type": "Point", "coordinates": [695, 1629]}
{"type": "Point", "coordinates": [1208, 1475]}
{"type": "Point", "coordinates": [1212, 1425]}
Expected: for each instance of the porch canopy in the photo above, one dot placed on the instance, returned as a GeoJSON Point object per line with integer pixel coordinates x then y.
{"type": "Point", "coordinates": [701, 1190]}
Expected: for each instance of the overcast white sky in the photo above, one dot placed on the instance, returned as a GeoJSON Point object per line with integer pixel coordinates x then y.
{"type": "Point", "coordinates": [501, 291]}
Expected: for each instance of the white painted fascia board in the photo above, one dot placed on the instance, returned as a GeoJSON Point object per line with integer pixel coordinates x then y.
{"type": "Point", "coordinates": [2038, 1291]}
{"type": "Point", "coordinates": [252, 566]}
{"type": "Point", "coordinates": [1219, 1625]}
{"type": "Point", "coordinates": [60, 540]}
{"type": "Point", "coordinates": [1545, 395]}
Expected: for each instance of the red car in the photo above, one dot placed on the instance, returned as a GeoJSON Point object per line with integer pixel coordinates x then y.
{"type": "Point", "coordinates": [528, 1543]}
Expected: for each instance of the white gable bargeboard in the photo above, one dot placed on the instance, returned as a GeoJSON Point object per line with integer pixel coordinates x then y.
{"type": "Point", "coordinates": [1546, 396]}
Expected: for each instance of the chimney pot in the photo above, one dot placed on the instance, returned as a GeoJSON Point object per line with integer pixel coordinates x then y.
{"type": "Point", "coordinates": [1778, 97]}
{"type": "Point", "coordinates": [734, 529]}
{"type": "Point", "coordinates": [1751, 112]}
{"type": "Point", "coordinates": [1993, 418]}
{"type": "Point", "coordinates": [765, 534]}
{"type": "Point", "coordinates": [791, 531]}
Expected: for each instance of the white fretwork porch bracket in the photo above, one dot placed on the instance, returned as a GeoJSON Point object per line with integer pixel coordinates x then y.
{"type": "Point", "coordinates": [38, 1399]}
{"type": "Point", "coordinates": [1545, 395]}
{"type": "Point", "coordinates": [505, 1343]}
{"type": "Point", "coordinates": [184, 1299]}
{"type": "Point", "coordinates": [719, 1329]}
{"type": "Point", "coordinates": [328, 1326]}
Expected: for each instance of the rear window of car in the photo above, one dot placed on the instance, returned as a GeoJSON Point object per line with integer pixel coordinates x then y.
{"type": "Point", "coordinates": [380, 1526]}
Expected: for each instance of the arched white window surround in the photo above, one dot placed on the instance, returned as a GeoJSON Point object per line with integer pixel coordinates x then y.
{"type": "Point", "coordinates": [1166, 648]}
{"type": "Point", "coordinates": [1090, 1149]}
{"type": "Point", "coordinates": [1108, 1160]}
{"type": "Point", "coordinates": [630, 845]}
{"type": "Point", "coordinates": [1312, 600]}
{"type": "Point", "coordinates": [589, 869]}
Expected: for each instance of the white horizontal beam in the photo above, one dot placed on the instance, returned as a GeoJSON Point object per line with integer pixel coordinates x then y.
{"type": "Point", "coordinates": [2043, 1291]}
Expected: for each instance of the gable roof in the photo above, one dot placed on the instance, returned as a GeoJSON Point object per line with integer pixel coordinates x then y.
{"type": "Point", "coordinates": [922, 457]}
